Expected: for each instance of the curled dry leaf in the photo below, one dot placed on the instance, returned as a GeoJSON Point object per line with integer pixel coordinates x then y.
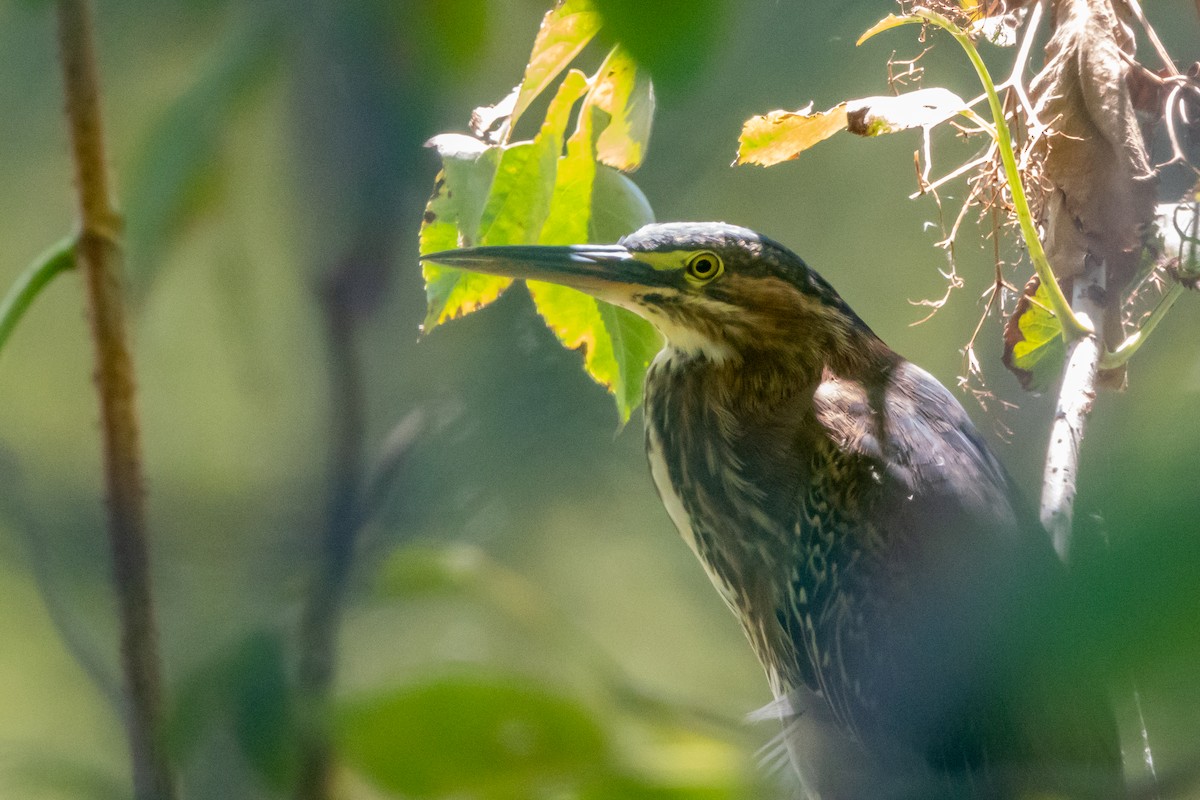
{"type": "Point", "coordinates": [1095, 157]}
{"type": "Point", "coordinates": [782, 135]}
{"type": "Point", "coordinates": [1101, 191]}
{"type": "Point", "coordinates": [986, 9]}
{"type": "Point", "coordinates": [491, 123]}
{"type": "Point", "coordinates": [1001, 30]}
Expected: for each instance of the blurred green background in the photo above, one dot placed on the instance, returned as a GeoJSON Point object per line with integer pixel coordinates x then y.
{"type": "Point", "coordinates": [520, 583]}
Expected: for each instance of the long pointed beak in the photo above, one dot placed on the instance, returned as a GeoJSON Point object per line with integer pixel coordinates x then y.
{"type": "Point", "coordinates": [606, 271]}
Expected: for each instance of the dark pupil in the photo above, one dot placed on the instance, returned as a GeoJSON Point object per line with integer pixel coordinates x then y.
{"type": "Point", "coordinates": [703, 266]}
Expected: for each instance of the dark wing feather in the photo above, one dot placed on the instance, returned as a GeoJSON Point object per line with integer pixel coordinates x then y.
{"type": "Point", "coordinates": [909, 509]}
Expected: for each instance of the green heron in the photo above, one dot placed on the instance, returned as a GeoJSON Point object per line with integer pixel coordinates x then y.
{"type": "Point", "coordinates": [852, 517]}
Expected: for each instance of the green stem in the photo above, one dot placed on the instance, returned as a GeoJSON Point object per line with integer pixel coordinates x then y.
{"type": "Point", "coordinates": [1126, 349]}
{"type": "Point", "coordinates": [970, 114]}
{"type": "Point", "coordinates": [1073, 327]}
{"type": "Point", "coordinates": [45, 268]}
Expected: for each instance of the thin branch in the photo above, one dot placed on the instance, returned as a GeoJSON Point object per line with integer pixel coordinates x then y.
{"type": "Point", "coordinates": [1015, 80]}
{"type": "Point", "coordinates": [322, 615]}
{"type": "Point", "coordinates": [1031, 26]}
{"type": "Point", "coordinates": [1152, 34]}
{"type": "Point", "coordinates": [98, 257]}
{"type": "Point", "coordinates": [1072, 326]}
{"type": "Point", "coordinates": [1178, 155]}
{"type": "Point", "coordinates": [1184, 224]}
{"type": "Point", "coordinates": [1075, 398]}
{"type": "Point", "coordinates": [967, 167]}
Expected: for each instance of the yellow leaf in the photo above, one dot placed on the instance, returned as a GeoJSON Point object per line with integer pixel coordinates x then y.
{"type": "Point", "coordinates": [782, 135]}
{"type": "Point", "coordinates": [886, 24]}
{"type": "Point", "coordinates": [564, 32]}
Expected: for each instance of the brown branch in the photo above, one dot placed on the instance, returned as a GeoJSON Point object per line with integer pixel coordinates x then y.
{"type": "Point", "coordinates": [322, 614]}
{"type": "Point", "coordinates": [99, 259]}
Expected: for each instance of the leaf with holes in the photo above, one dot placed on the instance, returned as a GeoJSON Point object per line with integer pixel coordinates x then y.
{"type": "Point", "coordinates": [923, 108]}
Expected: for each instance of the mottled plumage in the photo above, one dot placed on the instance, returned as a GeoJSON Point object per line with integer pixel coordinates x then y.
{"type": "Point", "coordinates": [852, 517]}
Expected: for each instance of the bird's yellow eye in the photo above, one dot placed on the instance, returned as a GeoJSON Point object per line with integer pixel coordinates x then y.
{"type": "Point", "coordinates": [704, 266]}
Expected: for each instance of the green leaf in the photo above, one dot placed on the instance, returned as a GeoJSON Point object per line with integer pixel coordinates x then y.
{"type": "Point", "coordinates": [564, 32]}
{"type": "Point", "coordinates": [617, 345]}
{"type": "Point", "coordinates": [487, 736]}
{"type": "Point", "coordinates": [452, 220]}
{"type": "Point", "coordinates": [627, 95]}
{"type": "Point", "coordinates": [618, 206]}
{"type": "Point", "coordinates": [575, 174]}
{"type": "Point", "coordinates": [1033, 342]}
{"type": "Point", "coordinates": [535, 194]}
{"type": "Point", "coordinates": [520, 198]}
{"type": "Point", "coordinates": [630, 787]}
{"type": "Point", "coordinates": [475, 202]}
{"type": "Point", "coordinates": [424, 571]}
{"type": "Point", "coordinates": [29, 284]}
{"type": "Point", "coordinates": [264, 724]}
{"type": "Point", "coordinates": [635, 343]}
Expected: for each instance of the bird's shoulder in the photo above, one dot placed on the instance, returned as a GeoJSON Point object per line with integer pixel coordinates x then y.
{"type": "Point", "coordinates": [903, 420]}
